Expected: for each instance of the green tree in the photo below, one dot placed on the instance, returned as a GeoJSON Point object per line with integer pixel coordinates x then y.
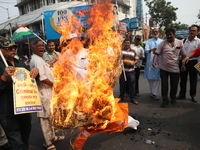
{"type": "Point", "coordinates": [184, 26]}
{"type": "Point", "coordinates": [162, 12]}
{"type": "Point", "coordinates": [179, 26]}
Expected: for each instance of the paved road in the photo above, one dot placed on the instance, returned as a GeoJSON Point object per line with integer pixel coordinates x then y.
{"type": "Point", "coordinates": [176, 127]}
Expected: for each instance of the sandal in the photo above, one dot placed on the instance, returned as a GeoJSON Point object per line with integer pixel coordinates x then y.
{"type": "Point", "coordinates": [49, 147]}
{"type": "Point", "coordinates": [135, 102]}
{"type": "Point", "coordinates": [57, 138]}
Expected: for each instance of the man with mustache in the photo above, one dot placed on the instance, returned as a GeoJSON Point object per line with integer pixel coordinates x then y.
{"type": "Point", "coordinates": [16, 127]}
{"type": "Point", "coordinates": [190, 44]}
{"type": "Point", "coordinates": [152, 74]}
{"type": "Point", "coordinates": [45, 83]}
{"type": "Point", "coordinates": [129, 58]}
{"type": "Point", "coordinates": [51, 55]}
{"type": "Point", "coordinates": [169, 49]}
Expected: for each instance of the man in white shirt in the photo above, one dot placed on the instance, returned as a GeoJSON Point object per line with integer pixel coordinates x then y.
{"type": "Point", "coordinates": [190, 44]}
{"type": "Point", "coordinates": [45, 83]}
{"type": "Point", "coordinates": [140, 53]}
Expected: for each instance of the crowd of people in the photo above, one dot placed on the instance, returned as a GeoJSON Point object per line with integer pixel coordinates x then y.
{"type": "Point", "coordinates": [169, 57]}
{"type": "Point", "coordinates": [164, 58]}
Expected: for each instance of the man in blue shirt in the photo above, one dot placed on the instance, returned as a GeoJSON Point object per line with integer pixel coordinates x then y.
{"type": "Point", "coordinates": [152, 74]}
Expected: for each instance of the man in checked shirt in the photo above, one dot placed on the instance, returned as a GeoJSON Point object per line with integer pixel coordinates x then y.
{"type": "Point", "coordinates": [129, 60]}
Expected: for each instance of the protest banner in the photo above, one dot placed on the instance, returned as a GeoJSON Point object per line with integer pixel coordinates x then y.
{"type": "Point", "coordinates": [25, 93]}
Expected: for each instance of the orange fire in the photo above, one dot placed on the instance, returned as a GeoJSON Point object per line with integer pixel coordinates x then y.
{"type": "Point", "coordinates": [87, 100]}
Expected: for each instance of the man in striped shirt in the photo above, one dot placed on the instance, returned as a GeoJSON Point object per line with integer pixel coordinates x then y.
{"type": "Point", "coordinates": [127, 77]}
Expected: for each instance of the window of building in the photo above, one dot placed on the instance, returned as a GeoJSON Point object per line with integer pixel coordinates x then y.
{"type": "Point", "coordinates": [24, 9]}
{"type": "Point", "coordinates": [36, 4]}
{"type": "Point", "coordinates": [123, 9]}
{"type": "Point", "coordinates": [36, 26]}
{"type": "Point", "coordinates": [49, 2]}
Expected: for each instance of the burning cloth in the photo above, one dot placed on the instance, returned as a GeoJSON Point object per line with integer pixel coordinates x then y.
{"type": "Point", "coordinates": [119, 124]}
{"type": "Point", "coordinates": [85, 76]}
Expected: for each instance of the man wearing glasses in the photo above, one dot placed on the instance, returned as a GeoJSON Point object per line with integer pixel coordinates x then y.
{"type": "Point", "coordinates": [190, 44]}
{"type": "Point", "coordinates": [17, 127]}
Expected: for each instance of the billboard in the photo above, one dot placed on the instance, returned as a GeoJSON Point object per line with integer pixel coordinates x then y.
{"type": "Point", "coordinates": [52, 19]}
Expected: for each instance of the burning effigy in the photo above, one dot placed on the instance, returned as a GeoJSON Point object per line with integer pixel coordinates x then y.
{"type": "Point", "coordinates": [85, 77]}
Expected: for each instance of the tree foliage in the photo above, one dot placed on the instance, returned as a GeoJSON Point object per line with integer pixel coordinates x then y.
{"type": "Point", "coordinates": [162, 12]}
{"type": "Point", "coordinates": [184, 26]}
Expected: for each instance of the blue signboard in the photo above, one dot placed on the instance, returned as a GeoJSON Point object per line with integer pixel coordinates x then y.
{"type": "Point", "coordinates": [139, 9]}
{"type": "Point", "coordinates": [52, 19]}
{"type": "Point", "coordinates": [183, 33]}
{"type": "Point", "coordinates": [132, 23]}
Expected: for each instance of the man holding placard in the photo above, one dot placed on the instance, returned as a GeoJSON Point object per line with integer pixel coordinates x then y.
{"type": "Point", "coordinates": [16, 127]}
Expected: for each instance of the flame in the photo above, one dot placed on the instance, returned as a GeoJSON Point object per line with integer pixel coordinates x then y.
{"type": "Point", "coordinates": [85, 98]}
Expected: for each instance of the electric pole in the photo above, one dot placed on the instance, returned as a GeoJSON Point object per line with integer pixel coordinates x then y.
{"type": "Point", "coordinates": [8, 20]}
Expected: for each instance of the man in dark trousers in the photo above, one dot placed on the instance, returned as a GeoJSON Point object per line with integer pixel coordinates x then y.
{"type": "Point", "coordinates": [190, 44]}
{"type": "Point", "coordinates": [169, 49]}
{"type": "Point", "coordinates": [127, 77]}
{"type": "Point", "coordinates": [17, 127]}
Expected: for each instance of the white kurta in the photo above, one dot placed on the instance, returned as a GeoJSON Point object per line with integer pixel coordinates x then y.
{"type": "Point", "coordinates": [149, 71]}
{"type": "Point", "coordinates": [79, 61]}
{"type": "Point", "coordinates": [44, 89]}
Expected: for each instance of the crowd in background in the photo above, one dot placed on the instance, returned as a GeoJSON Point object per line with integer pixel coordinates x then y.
{"type": "Point", "coordinates": [164, 60]}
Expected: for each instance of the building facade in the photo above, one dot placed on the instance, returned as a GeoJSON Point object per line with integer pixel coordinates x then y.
{"type": "Point", "coordinates": [31, 14]}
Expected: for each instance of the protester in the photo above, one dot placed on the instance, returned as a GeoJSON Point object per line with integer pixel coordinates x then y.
{"type": "Point", "coordinates": [45, 83]}
{"type": "Point", "coordinates": [16, 127]}
{"type": "Point", "coordinates": [129, 60]}
{"type": "Point", "coordinates": [140, 53]}
{"type": "Point", "coordinates": [152, 74]}
{"type": "Point", "coordinates": [51, 55]}
{"type": "Point", "coordinates": [191, 43]}
{"type": "Point", "coordinates": [194, 53]}
{"type": "Point", "coordinates": [169, 49]}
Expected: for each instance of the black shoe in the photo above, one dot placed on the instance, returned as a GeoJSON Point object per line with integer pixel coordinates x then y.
{"type": "Point", "coordinates": [173, 101]}
{"type": "Point", "coordinates": [181, 97]}
{"type": "Point", "coordinates": [164, 104]}
{"type": "Point", "coordinates": [194, 99]}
